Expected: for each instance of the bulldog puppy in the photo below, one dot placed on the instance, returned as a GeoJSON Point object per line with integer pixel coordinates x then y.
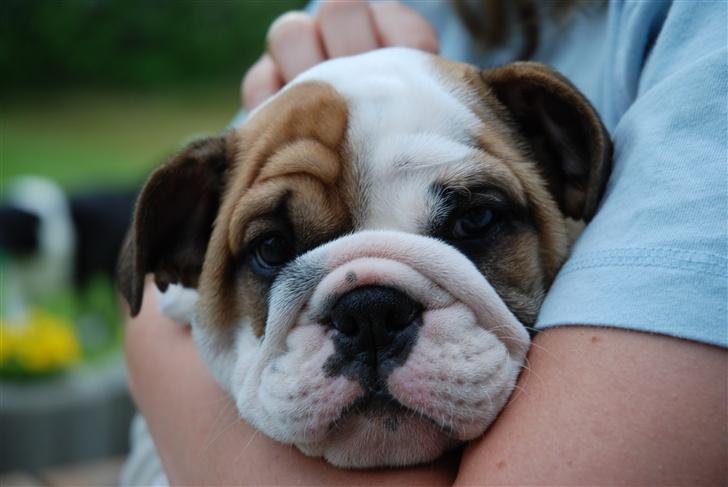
{"type": "Point", "coordinates": [360, 260]}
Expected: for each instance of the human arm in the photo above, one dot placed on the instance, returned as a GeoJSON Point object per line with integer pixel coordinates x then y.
{"type": "Point", "coordinates": [602, 406]}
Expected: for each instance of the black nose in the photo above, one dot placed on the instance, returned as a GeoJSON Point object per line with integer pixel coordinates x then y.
{"type": "Point", "coordinates": [375, 320]}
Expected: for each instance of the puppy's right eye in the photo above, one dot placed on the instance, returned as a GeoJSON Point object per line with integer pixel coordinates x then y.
{"type": "Point", "coordinates": [270, 253]}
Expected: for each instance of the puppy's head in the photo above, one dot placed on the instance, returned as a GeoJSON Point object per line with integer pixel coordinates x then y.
{"type": "Point", "coordinates": [369, 245]}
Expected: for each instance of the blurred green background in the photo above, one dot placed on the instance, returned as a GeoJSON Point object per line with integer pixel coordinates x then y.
{"type": "Point", "coordinates": [100, 91]}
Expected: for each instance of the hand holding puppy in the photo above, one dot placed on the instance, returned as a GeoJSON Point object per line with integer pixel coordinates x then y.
{"type": "Point", "coordinates": [298, 41]}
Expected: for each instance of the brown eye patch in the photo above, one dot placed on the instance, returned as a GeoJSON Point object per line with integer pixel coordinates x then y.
{"type": "Point", "coordinates": [290, 154]}
{"type": "Point", "coordinates": [463, 214]}
{"type": "Point", "coordinates": [498, 234]}
{"type": "Point", "coordinates": [300, 223]}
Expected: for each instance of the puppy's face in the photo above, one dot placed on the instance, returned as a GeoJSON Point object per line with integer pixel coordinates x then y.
{"type": "Point", "coordinates": [369, 245]}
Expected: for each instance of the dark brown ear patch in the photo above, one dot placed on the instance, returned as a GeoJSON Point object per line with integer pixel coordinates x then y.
{"type": "Point", "coordinates": [173, 220]}
{"type": "Point", "coordinates": [562, 130]}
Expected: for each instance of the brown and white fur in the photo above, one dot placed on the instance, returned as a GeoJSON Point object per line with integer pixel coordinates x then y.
{"type": "Point", "coordinates": [392, 173]}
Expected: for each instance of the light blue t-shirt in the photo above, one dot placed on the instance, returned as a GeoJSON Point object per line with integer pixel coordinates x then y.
{"type": "Point", "coordinates": [655, 256]}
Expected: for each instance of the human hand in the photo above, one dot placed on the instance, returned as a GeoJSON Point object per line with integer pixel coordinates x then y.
{"type": "Point", "coordinates": [298, 41]}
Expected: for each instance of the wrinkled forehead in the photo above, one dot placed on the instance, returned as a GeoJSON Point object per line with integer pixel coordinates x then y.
{"type": "Point", "coordinates": [397, 121]}
{"type": "Point", "coordinates": [414, 121]}
{"type": "Point", "coordinates": [395, 92]}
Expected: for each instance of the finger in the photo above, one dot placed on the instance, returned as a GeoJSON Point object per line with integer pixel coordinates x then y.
{"type": "Point", "coordinates": [347, 28]}
{"type": "Point", "coordinates": [294, 44]}
{"type": "Point", "coordinates": [261, 81]}
{"type": "Point", "coordinates": [399, 25]}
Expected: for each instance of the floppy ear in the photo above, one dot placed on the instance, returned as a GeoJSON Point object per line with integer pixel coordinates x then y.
{"type": "Point", "coordinates": [562, 130]}
{"type": "Point", "coordinates": [173, 220]}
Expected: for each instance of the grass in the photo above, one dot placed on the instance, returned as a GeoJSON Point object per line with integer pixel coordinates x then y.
{"type": "Point", "coordinates": [109, 138]}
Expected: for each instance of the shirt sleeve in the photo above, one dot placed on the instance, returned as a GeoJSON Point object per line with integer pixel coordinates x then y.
{"type": "Point", "coordinates": [655, 256]}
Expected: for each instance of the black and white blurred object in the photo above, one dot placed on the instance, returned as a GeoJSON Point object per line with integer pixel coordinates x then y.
{"type": "Point", "coordinates": [51, 240]}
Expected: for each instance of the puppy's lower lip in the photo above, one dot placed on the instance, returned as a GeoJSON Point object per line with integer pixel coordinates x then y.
{"type": "Point", "coordinates": [385, 406]}
{"type": "Point", "coordinates": [381, 402]}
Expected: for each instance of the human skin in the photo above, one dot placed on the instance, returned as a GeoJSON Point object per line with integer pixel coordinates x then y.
{"type": "Point", "coordinates": [297, 41]}
{"type": "Point", "coordinates": [596, 406]}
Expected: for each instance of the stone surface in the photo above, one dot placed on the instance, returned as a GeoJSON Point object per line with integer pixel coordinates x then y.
{"type": "Point", "coordinates": [79, 417]}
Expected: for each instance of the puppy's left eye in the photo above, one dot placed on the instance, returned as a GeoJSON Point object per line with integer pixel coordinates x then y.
{"type": "Point", "coordinates": [474, 223]}
{"type": "Point", "coordinates": [271, 252]}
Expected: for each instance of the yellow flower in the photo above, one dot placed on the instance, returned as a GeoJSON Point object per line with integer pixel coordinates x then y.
{"type": "Point", "coordinates": [42, 344]}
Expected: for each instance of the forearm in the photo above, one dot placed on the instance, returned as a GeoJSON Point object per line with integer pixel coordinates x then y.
{"type": "Point", "coordinates": [601, 406]}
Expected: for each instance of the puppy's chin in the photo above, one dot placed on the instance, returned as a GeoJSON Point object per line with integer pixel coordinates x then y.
{"type": "Point", "coordinates": [382, 435]}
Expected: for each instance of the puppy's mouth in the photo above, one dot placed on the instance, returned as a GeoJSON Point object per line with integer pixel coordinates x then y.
{"type": "Point", "coordinates": [379, 407]}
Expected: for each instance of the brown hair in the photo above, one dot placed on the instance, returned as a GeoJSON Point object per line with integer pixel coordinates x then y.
{"type": "Point", "coordinates": [490, 21]}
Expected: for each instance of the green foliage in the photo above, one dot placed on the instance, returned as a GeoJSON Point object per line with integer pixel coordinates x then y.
{"type": "Point", "coordinates": [132, 43]}
{"type": "Point", "coordinates": [85, 138]}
